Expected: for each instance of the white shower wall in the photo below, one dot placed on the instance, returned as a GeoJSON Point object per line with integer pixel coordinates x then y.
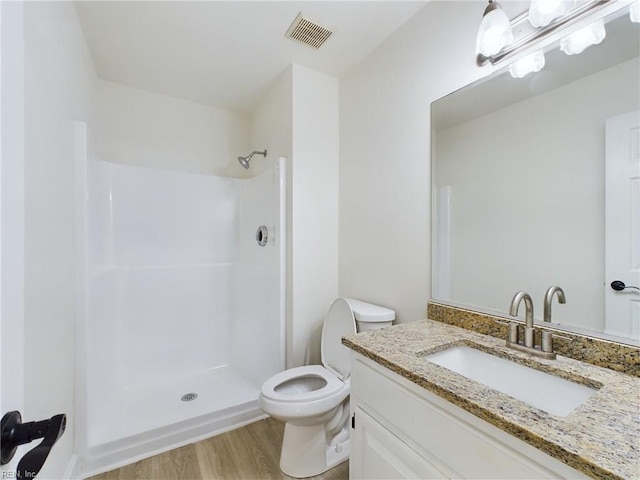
{"type": "Point", "coordinates": [180, 297]}
{"type": "Point", "coordinates": [259, 282]}
{"type": "Point", "coordinates": [165, 259]}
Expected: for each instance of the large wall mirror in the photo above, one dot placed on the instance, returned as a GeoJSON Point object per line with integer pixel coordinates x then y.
{"type": "Point", "coordinates": [535, 183]}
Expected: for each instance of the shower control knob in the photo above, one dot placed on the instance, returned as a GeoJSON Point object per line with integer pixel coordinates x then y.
{"type": "Point", "coordinates": [262, 235]}
{"type": "Point", "coordinates": [16, 433]}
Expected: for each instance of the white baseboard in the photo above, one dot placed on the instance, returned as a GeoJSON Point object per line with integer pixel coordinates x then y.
{"type": "Point", "coordinates": [97, 462]}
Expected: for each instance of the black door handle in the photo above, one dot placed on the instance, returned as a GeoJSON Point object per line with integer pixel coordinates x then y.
{"type": "Point", "coordinates": [16, 433]}
{"type": "Point", "coordinates": [618, 285]}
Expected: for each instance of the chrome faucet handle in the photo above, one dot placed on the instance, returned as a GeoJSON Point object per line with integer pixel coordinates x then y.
{"type": "Point", "coordinates": [513, 330]}
{"type": "Point", "coordinates": [514, 333]}
{"type": "Point", "coordinates": [547, 340]}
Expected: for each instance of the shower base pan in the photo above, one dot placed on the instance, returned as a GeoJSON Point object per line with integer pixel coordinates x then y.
{"type": "Point", "coordinates": [142, 422]}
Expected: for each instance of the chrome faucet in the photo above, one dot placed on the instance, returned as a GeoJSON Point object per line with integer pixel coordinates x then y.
{"type": "Point", "coordinates": [548, 298]}
{"type": "Point", "coordinates": [528, 316]}
{"type": "Point", "coordinates": [528, 346]}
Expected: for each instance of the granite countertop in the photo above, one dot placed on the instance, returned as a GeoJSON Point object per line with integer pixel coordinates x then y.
{"type": "Point", "coordinates": [600, 438]}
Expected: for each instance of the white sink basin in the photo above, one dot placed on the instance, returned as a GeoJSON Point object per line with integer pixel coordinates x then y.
{"type": "Point", "coordinates": [547, 392]}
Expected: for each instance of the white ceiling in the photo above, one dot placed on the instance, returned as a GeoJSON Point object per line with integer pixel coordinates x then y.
{"type": "Point", "coordinates": [227, 53]}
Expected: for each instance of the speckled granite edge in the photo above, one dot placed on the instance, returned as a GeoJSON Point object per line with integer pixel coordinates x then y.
{"type": "Point", "coordinates": [603, 353]}
{"type": "Point", "coordinates": [571, 459]}
{"type": "Point", "coordinates": [599, 438]}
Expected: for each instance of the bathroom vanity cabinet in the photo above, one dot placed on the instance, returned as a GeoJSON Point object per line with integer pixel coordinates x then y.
{"type": "Point", "coordinates": [401, 430]}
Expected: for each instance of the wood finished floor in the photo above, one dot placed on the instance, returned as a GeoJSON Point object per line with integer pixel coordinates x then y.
{"type": "Point", "coordinates": [250, 452]}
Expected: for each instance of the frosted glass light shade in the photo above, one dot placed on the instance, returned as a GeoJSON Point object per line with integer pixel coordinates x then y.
{"type": "Point", "coordinates": [578, 41]}
{"type": "Point", "coordinates": [530, 63]}
{"type": "Point", "coordinates": [635, 11]}
{"type": "Point", "coordinates": [494, 32]}
{"type": "Point", "coordinates": [543, 12]}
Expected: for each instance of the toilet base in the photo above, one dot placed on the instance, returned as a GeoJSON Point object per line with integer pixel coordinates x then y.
{"type": "Point", "coordinates": [305, 452]}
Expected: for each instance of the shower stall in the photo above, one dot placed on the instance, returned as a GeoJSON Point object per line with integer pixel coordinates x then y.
{"type": "Point", "coordinates": [181, 288]}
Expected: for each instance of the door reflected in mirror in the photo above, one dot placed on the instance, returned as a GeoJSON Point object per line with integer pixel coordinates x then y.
{"type": "Point", "coordinates": [536, 183]}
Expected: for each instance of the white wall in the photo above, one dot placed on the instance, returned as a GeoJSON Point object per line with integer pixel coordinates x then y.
{"type": "Point", "coordinates": [314, 206]}
{"type": "Point", "coordinates": [271, 126]}
{"type": "Point", "coordinates": [59, 84]}
{"type": "Point", "coordinates": [385, 151]}
{"type": "Point", "coordinates": [298, 119]}
{"type": "Point", "coordinates": [146, 129]}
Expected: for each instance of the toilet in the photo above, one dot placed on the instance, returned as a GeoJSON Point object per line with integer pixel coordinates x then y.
{"type": "Point", "coordinates": [313, 400]}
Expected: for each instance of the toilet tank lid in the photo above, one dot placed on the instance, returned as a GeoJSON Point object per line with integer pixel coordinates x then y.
{"type": "Point", "coordinates": [368, 312]}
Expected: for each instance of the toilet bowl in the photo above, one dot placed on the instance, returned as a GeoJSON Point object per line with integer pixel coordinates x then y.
{"type": "Point", "coordinates": [313, 400]}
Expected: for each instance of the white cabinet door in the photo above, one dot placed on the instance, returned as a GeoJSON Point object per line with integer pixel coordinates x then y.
{"type": "Point", "coordinates": [405, 431]}
{"type": "Point", "coordinates": [379, 454]}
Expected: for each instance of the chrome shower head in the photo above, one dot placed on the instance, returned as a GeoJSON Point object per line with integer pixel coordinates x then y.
{"type": "Point", "coordinates": [244, 161]}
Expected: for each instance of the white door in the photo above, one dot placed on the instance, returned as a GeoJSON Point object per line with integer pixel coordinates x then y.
{"type": "Point", "coordinates": [622, 223]}
{"type": "Point", "coordinates": [11, 215]}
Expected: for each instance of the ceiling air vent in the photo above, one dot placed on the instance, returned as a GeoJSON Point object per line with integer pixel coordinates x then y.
{"type": "Point", "coordinates": [305, 31]}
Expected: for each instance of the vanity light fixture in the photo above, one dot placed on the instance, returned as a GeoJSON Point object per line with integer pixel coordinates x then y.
{"type": "Point", "coordinates": [529, 64]}
{"type": "Point", "coordinates": [532, 38]}
{"type": "Point", "coordinates": [494, 32]}
{"type": "Point", "coordinates": [634, 11]}
{"type": "Point", "coordinates": [543, 12]}
{"type": "Point", "coordinates": [583, 38]}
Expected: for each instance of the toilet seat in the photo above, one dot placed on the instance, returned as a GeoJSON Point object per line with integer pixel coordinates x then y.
{"type": "Point", "coordinates": [313, 400]}
{"type": "Point", "coordinates": [332, 385]}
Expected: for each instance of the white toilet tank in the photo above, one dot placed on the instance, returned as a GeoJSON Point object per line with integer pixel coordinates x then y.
{"type": "Point", "coordinates": [369, 316]}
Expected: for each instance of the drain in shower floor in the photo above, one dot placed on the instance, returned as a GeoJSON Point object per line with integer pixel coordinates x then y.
{"type": "Point", "coordinates": [187, 397]}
